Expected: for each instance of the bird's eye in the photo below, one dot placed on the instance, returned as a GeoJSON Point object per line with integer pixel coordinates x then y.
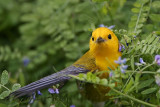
{"type": "Point", "coordinates": [92, 38]}
{"type": "Point", "coordinates": [109, 36]}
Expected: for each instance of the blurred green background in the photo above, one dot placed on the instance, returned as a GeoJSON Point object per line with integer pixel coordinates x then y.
{"type": "Point", "coordinates": [40, 37]}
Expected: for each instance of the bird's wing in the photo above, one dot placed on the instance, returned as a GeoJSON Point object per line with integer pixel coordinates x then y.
{"type": "Point", "coordinates": [48, 81]}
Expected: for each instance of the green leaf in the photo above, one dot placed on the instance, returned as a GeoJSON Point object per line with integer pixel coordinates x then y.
{"type": "Point", "coordinates": [145, 83]}
{"type": "Point", "coordinates": [139, 26]}
{"type": "Point", "coordinates": [89, 78]}
{"type": "Point", "coordinates": [144, 48]}
{"type": "Point", "coordinates": [151, 39]}
{"type": "Point", "coordinates": [132, 62]}
{"type": "Point", "coordinates": [82, 75]}
{"type": "Point", "coordinates": [155, 4]}
{"type": "Point", "coordinates": [59, 103]}
{"type": "Point", "coordinates": [146, 8]}
{"type": "Point", "coordinates": [3, 105]}
{"type": "Point", "coordinates": [125, 102]}
{"type": "Point", "coordinates": [158, 94]}
{"type": "Point", "coordinates": [99, 0]}
{"type": "Point", "coordinates": [143, 1]}
{"type": "Point", "coordinates": [104, 81]}
{"type": "Point", "coordinates": [142, 20]}
{"type": "Point", "coordinates": [148, 38]}
{"type": "Point", "coordinates": [156, 41]}
{"type": "Point", "coordinates": [22, 78]}
{"type": "Point", "coordinates": [129, 85]}
{"type": "Point", "coordinates": [148, 49]}
{"type": "Point", "coordinates": [97, 80]}
{"type": "Point", "coordinates": [135, 10]}
{"type": "Point", "coordinates": [153, 49]}
{"type": "Point", "coordinates": [137, 77]}
{"type": "Point", "coordinates": [137, 4]}
{"type": "Point", "coordinates": [4, 77]}
{"type": "Point", "coordinates": [155, 17]}
{"type": "Point", "coordinates": [138, 31]}
{"type": "Point", "coordinates": [148, 91]}
{"type": "Point", "coordinates": [16, 87]}
{"type": "Point", "coordinates": [112, 85]}
{"type": "Point", "coordinates": [4, 94]}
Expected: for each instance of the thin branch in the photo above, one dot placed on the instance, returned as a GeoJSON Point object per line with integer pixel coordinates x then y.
{"type": "Point", "coordinates": [134, 99]}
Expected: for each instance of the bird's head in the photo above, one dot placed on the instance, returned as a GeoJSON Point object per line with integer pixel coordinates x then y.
{"type": "Point", "coordinates": [103, 41]}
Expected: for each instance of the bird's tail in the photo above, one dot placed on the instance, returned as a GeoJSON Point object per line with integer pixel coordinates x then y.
{"type": "Point", "coordinates": [48, 81]}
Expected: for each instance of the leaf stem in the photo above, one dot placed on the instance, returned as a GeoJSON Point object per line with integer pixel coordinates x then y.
{"type": "Point", "coordinates": [144, 72]}
{"type": "Point", "coordinates": [134, 99]}
{"type": "Point", "coordinates": [138, 18]}
{"type": "Point", "coordinates": [5, 87]}
{"type": "Point", "coordinates": [147, 66]}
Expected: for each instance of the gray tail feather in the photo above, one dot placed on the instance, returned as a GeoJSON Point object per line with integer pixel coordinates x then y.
{"type": "Point", "coordinates": [48, 81]}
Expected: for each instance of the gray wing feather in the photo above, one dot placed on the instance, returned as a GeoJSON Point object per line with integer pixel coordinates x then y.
{"type": "Point", "coordinates": [48, 81]}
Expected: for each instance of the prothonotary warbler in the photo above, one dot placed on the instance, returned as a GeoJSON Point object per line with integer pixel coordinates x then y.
{"type": "Point", "coordinates": [104, 46]}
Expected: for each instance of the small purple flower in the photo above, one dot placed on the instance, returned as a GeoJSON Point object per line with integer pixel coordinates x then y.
{"type": "Point", "coordinates": [72, 106]}
{"type": "Point", "coordinates": [141, 61]}
{"type": "Point", "coordinates": [33, 97]}
{"type": "Point", "coordinates": [124, 66]}
{"type": "Point", "coordinates": [38, 92]}
{"type": "Point", "coordinates": [101, 25]}
{"type": "Point", "coordinates": [51, 90]}
{"type": "Point", "coordinates": [120, 48]}
{"type": "Point", "coordinates": [57, 91]}
{"type": "Point", "coordinates": [110, 74]}
{"type": "Point", "coordinates": [157, 80]}
{"type": "Point", "coordinates": [157, 59]}
{"type": "Point", "coordinates": [122, 70]}
{"type": "Point", "coordinates": [26, 61]}
{"type": "Point", "coordinates": [31, 101]}
{"type": "Point", "coordinates": [109, 27]}
{"type": "Point", "coordinates": [123, 47]}
{"type": "Point", "coordinates": [118, 61]}
{"type": "Point", "coordinates": [121, 61]}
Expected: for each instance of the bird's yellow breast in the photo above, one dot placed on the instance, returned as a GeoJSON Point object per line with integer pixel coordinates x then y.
{"type": "Point", "coordinates": [106, 62]}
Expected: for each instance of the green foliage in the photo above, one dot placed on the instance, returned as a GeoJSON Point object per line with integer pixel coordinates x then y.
{"type": "Point", "coordinates": [140, 10]}
{"type": "Point", "coordinates": [150, 45]}
{"type": "Point", "coordinates": [7, 54]}
{"type": "Point", "coordinates": [148, 91]}
{"type": "Point", "coordinates": [4, 80]}
{"type": "Point", "coordinates": [41, 37]}
{"type": "Point", "coordinates": [10, 14]}
{"type": "Point", "coordinates": [91, 78]}
{"type": "Point", "coordinates": [4, 77]}
{"type": "Point", "coordinates": [15, 87]}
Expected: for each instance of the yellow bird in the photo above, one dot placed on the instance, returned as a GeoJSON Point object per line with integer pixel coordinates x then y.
{"type": "Point", "coordinates": [104, 50]}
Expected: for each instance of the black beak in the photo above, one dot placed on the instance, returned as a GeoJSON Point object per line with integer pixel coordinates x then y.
{"type": "Point", "coordinates": [100, 40]}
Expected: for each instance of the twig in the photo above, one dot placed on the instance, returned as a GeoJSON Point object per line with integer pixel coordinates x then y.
{"type": "Point", "coordinates": [134, 99]}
